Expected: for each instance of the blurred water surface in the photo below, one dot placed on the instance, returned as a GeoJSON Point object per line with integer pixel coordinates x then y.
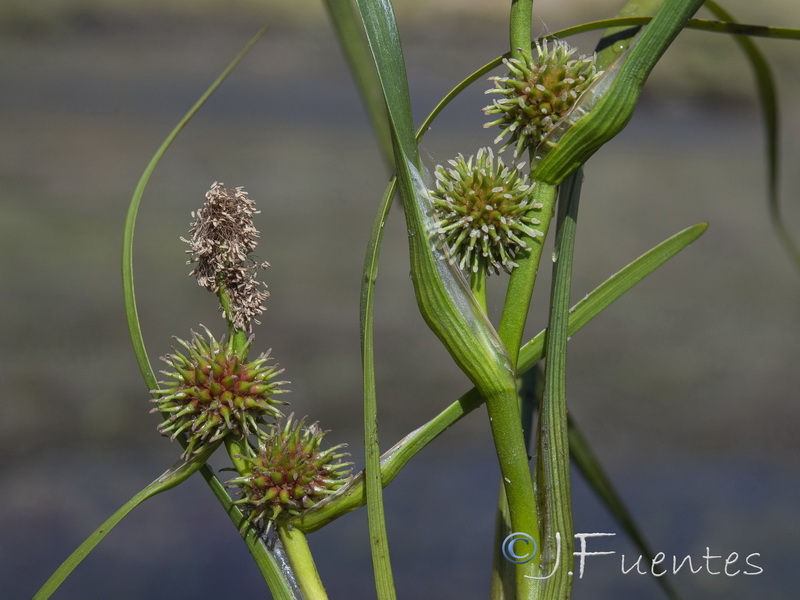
{"type": "Point", "coordinates": [687, 387]}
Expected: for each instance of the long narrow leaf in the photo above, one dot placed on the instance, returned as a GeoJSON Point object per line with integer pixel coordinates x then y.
{"type": "Point", "coordinates": [351, 36]}
{"type": "Point", "coordinates": [384, 44]}
{"type": "Point", "coordinates": [178, 473]}
{"type": "Point", "coordinates": [768, 96]}
{"type": "Point", "coordinates": [552, 457]}
{"type": "Point", "coordinates": [380, 549]}
{"type": "Point", "coordinates": [134, 327]}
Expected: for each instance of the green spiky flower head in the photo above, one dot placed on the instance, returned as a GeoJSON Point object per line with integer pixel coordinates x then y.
{"type": "Point", "coordinates": [213, 391]}
{"type": "Point", "coordinates": [290, 473]}
{"type": "Point", "coordinates": [483, 210]}
{"type": "Point", "coordinates": [538, 92]}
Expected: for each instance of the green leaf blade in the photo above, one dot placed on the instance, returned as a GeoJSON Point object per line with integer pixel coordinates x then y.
{"type": "Point", "coordinates": [178, 473]}
{"type": "Point", "coordinates": [768, 99]}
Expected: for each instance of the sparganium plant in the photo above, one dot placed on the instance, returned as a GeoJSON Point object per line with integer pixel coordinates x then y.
{"type": "Point", "coordinates": [486, 214]}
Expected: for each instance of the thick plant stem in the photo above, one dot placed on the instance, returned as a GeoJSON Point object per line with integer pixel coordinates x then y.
{"type": "Point", "coordinates": [462, 326]}
{"type": "Point", "coordinates": [511, 329]}
{"type": "Point", "coordinates": [502, 587]}
{"type": "Point", "coordinates": [302, 563]}
{"type": "Point", "coordinates": [552, 461]}
{"type": "Point", "coordinates": [523, 278]}
{"type": "Point", "coordinates": [505, 422]}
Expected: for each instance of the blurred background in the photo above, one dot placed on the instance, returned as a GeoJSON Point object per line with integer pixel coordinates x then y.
{"type": "Point", "coordinates": [686, 387]}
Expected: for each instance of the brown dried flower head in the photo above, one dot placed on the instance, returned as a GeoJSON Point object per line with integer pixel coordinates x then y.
{"type": "Point", "coordinates": [222, 239]}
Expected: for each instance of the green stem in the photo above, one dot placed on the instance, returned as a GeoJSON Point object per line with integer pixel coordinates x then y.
{"type": "Point", "coordinates": [225, 303]}
{"type": "Point", "coordinates": [503, 577]}
{"type": "Point", "coordinates": [237, 448]}
{"type": "Point", "coordinates": [552, 464]}
{"type": "Point", "coordinates": [512, 454]}
{"type": "Point", "coordinates": [302, 563]}
{"type": "Point", "coordinates": [520, 27]}
{"type": "Point", "coordinates": [511, 330]}
{"type": "Point", "coordinates": [239, 336]}
{"type": "Point", "coordinates": [523, 278]}
{"type": "Point", "coordinates": [477, 283]}
{"type": "Point", "coordinates": [531, 390]}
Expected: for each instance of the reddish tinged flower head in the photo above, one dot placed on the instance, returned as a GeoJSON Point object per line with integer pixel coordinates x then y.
{"type": "Point", "coordinates": [213, 392]}
{"type": "Point", "coordinates": [290, 473]}
{"type": "Point", "coordinates": [223, 237]}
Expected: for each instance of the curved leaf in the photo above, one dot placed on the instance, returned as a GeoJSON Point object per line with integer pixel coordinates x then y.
{"type": "Point", "coordinates": [131, 312]}
{"type": "Point", "coordinates": [178, 473]}
{"type": "Point", "coordinates": [351, 36]}
{"type": "Point", "coordinates": [768, 96]}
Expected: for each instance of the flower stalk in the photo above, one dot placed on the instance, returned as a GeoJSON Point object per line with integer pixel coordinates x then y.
{"type": "Point", "coordinates": [302, 562]}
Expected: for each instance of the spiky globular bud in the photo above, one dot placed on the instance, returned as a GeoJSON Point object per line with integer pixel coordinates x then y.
{"type": "Point", "coordinates": [223, 237]}
{"type": "Point", "coordinates": [214, 391]}
{"type": "Point", "coordinates": [290, 473]}
{"type": "Point", "coordinates": [484, 209]}
{"type": "Point", "coordinates": [539, 91]}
